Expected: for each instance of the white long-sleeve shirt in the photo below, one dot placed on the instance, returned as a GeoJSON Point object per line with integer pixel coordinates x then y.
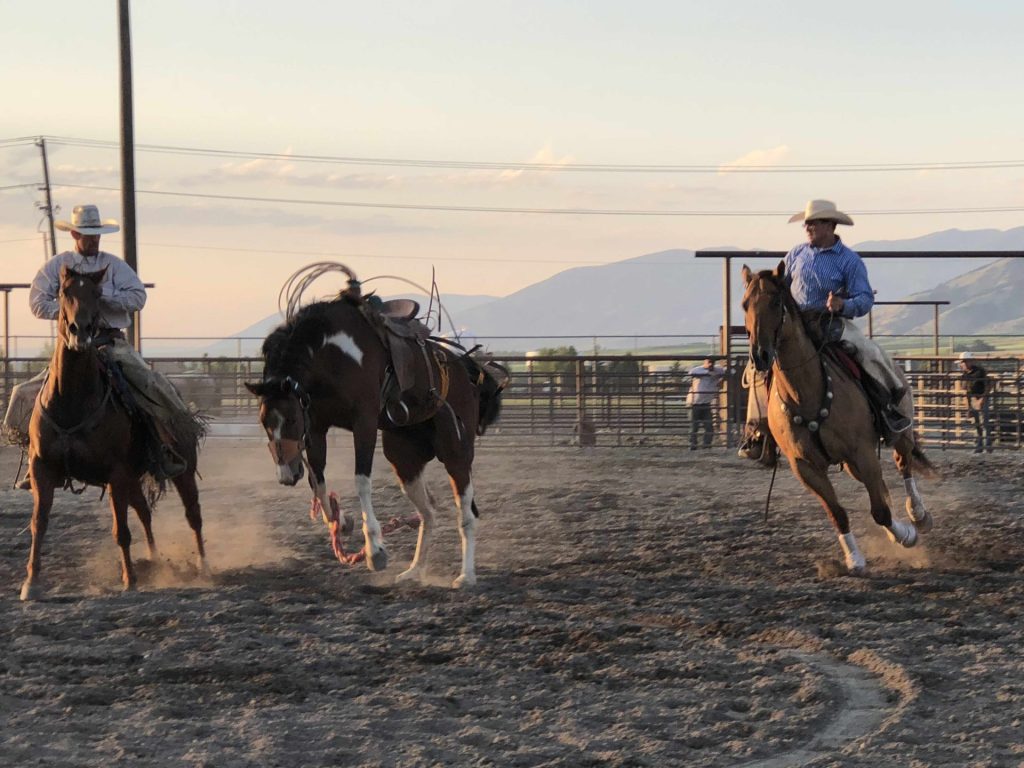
{"type": "Point", "coordinates": [123, 291]}
{"type": "Point", "coordinates": [704, 384]}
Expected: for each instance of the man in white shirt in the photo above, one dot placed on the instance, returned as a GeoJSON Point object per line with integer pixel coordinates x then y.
{"type": "Point", "coordinates": [704, 384]}
{"type": "Point", "coordinates": [123, 294]}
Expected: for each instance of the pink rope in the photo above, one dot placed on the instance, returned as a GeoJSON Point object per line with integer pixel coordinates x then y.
{"type": "Point", "coordinates": [334, 527]}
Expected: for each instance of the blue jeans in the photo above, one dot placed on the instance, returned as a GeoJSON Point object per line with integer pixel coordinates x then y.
{"type": "Point", "coordinates": [981, 425]}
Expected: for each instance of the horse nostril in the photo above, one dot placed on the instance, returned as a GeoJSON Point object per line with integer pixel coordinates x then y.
{"type": "Point", "coordinates": [73, 327]}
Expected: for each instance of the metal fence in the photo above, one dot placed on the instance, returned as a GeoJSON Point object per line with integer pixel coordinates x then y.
{"type": "Point", "coordinates": [616, 400]}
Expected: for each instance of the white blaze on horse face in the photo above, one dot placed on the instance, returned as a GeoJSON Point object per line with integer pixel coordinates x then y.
{"type": "Point", "coordinates": [273, 423]}
{"type": "Point", "coordinates": [347, 345]}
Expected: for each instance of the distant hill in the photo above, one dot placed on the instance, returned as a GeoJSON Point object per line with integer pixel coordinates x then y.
{"type": "Point", "coordinates": [672, 293]}
{"type": "Point", "coordinates": [985, 300]}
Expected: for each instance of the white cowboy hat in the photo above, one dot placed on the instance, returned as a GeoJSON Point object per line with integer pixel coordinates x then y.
{"type": "Point", "coordinates": [821, 210]}
{"type": "Point", "coordinates": [85, 219]}
{"type": "Point", "coordinates": [966, 355]}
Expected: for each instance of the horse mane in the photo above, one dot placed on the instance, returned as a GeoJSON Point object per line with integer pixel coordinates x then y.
{"type": "Point", "coordinates": [287, 349]}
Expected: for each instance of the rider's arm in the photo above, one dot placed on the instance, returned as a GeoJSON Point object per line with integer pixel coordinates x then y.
{"type": "Point", "coordinates": [42, 299]}
{"type": "Point", "coordinates": [122, 288]}
{"type": "Point", "coordinates": [861, 297]}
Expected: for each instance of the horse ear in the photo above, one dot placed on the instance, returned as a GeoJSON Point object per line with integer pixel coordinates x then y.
{"type": "Point", "coordinates": [64, 272]}
{"type": "Point", "coordinates": [780, 271]}
{"type": "Point", "coordinates": [97, 277]}
{"type": "Point", "coordinates": [747, 274]}
{"type": "Point", "coordinates": [256, 389]}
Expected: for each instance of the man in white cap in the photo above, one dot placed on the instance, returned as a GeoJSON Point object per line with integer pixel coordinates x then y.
{"type": "Point", "coordinates": [123, 294]}
{"type": "Point", "coordinates": [828, 277]}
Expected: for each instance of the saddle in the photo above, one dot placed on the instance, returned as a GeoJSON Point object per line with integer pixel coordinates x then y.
{"type": "Point", "coordinates": [826, 334]}
{"type": "Point", "coordinates": [416, 380]}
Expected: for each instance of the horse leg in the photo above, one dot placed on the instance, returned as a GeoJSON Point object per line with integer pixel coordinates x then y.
{"type": "Point", "coordinates": [866, 470]}
{"type": "Point", "coordinates": [902, 454]}
{"type": "Point", "coordinates": [316, 455]}
{"type": "Point", "coordinates": [185, 484]}
{"type": "Point", "coordinates": [462, 489]}
{"type": "Point", "coordinates": [42, 492]}
{"type": "Point", "coordinates": [119, 492]}
{"type": "Point", "coordinates": [138, 501]}
{"type": "Point", "coordinates": [409, 458]}
{"type": "Point", "coordinates": [364, 438]}
{"type": "Point", "coordinates": [816, 481]}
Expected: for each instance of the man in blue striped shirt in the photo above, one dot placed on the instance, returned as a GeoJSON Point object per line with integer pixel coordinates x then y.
{"type": "Point", "coordinates": [825, 275]}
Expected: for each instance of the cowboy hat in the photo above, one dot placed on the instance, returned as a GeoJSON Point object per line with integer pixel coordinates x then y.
{"type": "Point", "coordinates": [85, 219]}
{"type": "Point", "coordinates": [821, 210]}
{"type": "Point", "coordinates": [967, 355]}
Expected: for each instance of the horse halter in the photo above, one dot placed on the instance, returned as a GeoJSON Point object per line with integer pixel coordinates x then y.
{"type": "Point", "coordinates": [285, 450]}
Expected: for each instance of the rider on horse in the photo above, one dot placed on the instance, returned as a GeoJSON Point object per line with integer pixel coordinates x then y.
{"type": "Point", "coordinates": [829, 282]}
{"type": "Point", "coordinates": [123, 293]}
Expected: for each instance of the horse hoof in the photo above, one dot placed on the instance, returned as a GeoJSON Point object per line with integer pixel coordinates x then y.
{"type": "Point", "coordinates": [413, 574]}
{"type": "Point", "coordinates": [465, 580]}
{"type": "Point", "coordinates": [922, 520]}
{"type": "Point", "coordinates": [378, 561]}
{"type": "Point", "coordinates": [904, 534]}
{"type": "Point", "coordinates": [858, 569]}
{"type": "Point", "coordinates": [31, 591]}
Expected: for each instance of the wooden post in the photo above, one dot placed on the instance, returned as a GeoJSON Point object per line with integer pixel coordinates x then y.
{"type": "Point", "coordinates": [128, 159]}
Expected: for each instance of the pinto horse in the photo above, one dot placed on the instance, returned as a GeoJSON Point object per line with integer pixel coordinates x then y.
{"type": "Point", "coordinates": [80, 430]}
{"type": "Point", "coordinates": [819, 416]}
{"type": "Point", "coordinates": [327, 367]}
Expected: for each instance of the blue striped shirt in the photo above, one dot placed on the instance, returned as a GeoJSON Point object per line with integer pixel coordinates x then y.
{"type": "Point", "coordinates": [813, 273]}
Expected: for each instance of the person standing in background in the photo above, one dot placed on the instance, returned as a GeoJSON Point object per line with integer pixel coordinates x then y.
{"type": "Point", "coordinates": [704, 385]}
{"type": "Point", "coordinates": [977, 385]}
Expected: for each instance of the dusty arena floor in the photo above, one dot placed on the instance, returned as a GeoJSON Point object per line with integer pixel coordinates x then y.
{"type": "Point", "coordinates": [633, 609]}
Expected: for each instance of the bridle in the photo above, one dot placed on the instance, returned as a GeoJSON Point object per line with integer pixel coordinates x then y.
{"type": "Point", "coordinates": [285, 451]}
{"type": "Point", "coordinates": [788, 315]}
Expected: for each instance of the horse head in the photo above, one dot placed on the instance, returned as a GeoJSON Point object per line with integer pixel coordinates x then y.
{"type": "Point", "coordinates": [765, 300]}
{"type": "Point", "coordinates": [284, 414]}
{"type": "Point", "coordinates": [79, 298]}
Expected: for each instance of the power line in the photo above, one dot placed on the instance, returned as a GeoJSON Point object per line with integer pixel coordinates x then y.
{"type": "Point", "coordinates": [19, 186]}
{"type": "Point", "coordinates": [554, 167]}
{"type": "Point", "coordinates": [544, 211]}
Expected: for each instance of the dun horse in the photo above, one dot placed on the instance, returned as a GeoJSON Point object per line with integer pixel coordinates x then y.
{"type": "Point", "coordinates": [81, 429]}
{"type": "Point", "coordinates": [328, 366]}
{"type": "Point", "coordinates": [819, 416]}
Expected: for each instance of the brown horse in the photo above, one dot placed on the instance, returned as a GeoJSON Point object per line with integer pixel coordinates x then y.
{"type": "Point", "coordinates": [819, 416]}
{"type": "Point", "coordinates": [328, 367]}
{"type": "Point", "coordinates": [80, 430]}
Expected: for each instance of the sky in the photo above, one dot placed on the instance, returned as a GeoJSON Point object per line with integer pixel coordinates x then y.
{"type": "Point", "coordinates": [742, 111]}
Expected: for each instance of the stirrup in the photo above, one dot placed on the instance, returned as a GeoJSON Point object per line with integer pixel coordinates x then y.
{"type": "Point", "coordinates": [170, 464]}
{"type": "Point", "coordinates": [752, 448]}
{"type": "Point", "coordinates": [895, 421]}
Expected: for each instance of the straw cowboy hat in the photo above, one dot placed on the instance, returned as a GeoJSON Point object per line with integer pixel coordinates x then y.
{"type": "Point", "coordinates": [821, 210]}
{"type": "Point", "coordinates": [85, 219]}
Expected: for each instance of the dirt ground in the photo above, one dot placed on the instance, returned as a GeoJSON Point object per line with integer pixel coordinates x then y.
{"type": "Point", "coordinates": [633, 609]}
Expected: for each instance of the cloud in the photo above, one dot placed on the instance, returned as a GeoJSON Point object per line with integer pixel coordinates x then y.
{"type": "Point", "coordinates": [286, 172]}
{"type": "Point", "coordinates": [758, 158]}
{"type": "Point", "coordinates": [185, 217]}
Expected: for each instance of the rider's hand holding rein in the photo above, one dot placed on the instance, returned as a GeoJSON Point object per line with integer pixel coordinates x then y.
{"type": "Point", "coordinates": [834, 303]}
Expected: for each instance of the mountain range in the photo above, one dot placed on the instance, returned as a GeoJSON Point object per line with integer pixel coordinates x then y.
{"type": "Point", "coordinates": [672, 293]}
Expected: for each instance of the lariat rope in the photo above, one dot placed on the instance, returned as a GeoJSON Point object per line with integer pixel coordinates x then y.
{"type": "Point", "coordinates": [333, 521]}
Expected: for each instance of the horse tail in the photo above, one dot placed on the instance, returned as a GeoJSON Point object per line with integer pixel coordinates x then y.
{"type": "Point", "coordinates": [920, 461]}
{"type": "Point", "coordinates": [490, 379]}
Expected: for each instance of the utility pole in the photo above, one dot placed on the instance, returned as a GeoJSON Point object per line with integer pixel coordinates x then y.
{"type": "Point", "coordinates": [47, 207]}
{"type": "Point", "coordinates": [128, 159]}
